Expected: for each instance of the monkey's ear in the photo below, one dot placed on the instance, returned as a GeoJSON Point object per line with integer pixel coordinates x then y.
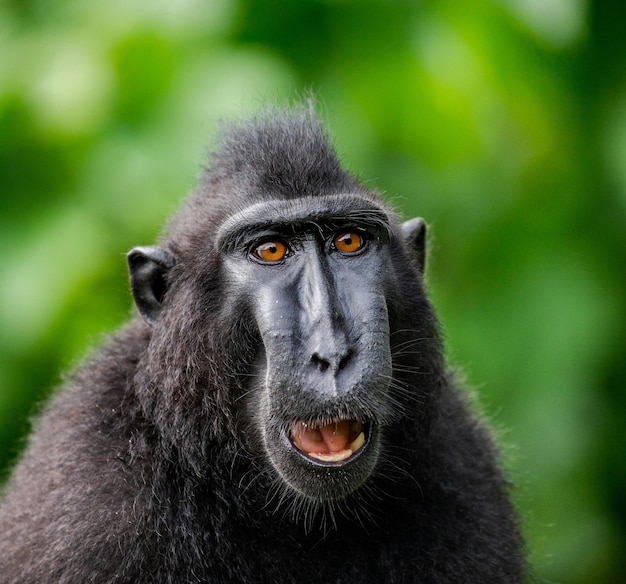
{"type": "Point", "coordinates": [148, 267]}
{"type": "Point", "coordinates": [414, 232]}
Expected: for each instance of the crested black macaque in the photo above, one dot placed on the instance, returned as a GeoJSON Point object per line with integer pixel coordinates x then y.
{"type": "Point", "coordinates": [279, 410]}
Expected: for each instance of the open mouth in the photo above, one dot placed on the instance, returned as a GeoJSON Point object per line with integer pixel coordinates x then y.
{"type": "Point", "coordinates": [334, 442]}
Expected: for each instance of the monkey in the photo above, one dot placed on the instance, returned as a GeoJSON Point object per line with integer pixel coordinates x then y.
{"type": "Point", "coordinates": [277, 410]}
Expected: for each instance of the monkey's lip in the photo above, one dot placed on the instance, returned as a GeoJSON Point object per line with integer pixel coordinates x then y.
{"type": "Point", "coordinates": [335, 442]}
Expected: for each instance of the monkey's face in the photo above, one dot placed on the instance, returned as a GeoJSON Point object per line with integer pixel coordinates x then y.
{"type": "Point", "coordinates": [316, 287]}
{"type": "Point", "coordinates": [312, 282]}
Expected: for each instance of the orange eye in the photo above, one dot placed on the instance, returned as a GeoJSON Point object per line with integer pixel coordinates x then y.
{"type": "Point", "coordinates": [271, 251]}
{"type": "Point", "coordinates": [349, 242]}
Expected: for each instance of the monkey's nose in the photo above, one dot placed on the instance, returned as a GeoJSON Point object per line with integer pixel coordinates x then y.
{"type": "Point", "coordinates": [333, 360]}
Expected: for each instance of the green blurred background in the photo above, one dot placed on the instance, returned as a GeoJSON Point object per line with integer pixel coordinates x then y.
{"type": "Point", "coordinates": [503, 123]}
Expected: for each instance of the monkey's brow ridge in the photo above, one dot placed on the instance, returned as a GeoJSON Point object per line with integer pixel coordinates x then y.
{"type": "Point", "coordinates": [287, 212]}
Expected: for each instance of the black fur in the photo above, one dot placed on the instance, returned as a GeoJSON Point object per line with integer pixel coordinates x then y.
{"type": "Point", "coordinates": [147, 466]}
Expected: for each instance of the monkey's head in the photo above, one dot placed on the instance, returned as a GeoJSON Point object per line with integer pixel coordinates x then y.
{"type": "Point", "coordinates": [289, 294]}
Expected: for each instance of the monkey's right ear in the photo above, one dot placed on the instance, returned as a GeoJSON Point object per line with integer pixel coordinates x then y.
{"type": "Point", "coordinates": [148, 267]}
{"type": "Point", "coordinates": [414, 232]}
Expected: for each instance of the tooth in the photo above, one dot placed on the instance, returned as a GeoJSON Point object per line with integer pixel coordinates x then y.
{"type": "Point", "coordinates": [336, 457]}
{"type": "Point", "coordinates": [357, 443]}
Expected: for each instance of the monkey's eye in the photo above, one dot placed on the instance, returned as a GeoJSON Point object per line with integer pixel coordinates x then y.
{"type": "Point", "coordinates": [271, 251]}
{"type": "Point", "coordinates": [348, 242]}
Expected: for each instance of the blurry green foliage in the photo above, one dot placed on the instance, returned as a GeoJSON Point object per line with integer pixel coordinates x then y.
{"type": "Point", "coordinates": [503, 123]}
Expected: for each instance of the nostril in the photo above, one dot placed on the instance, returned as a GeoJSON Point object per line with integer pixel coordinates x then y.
{"type": "Point", "coordinates": [336, 364]}
{"type": "Point", "coordinates": [344, 360]}
{"type": "Point", "coordinates": [321, 364]}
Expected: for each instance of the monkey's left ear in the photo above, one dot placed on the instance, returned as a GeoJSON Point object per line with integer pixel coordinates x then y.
{"type": "Point", "coordinates": [414, 232]}
{"type": "Point", "coordinates": [148, 267]}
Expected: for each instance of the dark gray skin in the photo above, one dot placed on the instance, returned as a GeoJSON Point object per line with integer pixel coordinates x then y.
{"type": "Point", "coordinates": [284, 302]}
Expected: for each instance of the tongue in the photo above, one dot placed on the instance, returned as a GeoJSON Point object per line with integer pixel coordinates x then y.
{"type": "Point", "coordinates": [328, 439]}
